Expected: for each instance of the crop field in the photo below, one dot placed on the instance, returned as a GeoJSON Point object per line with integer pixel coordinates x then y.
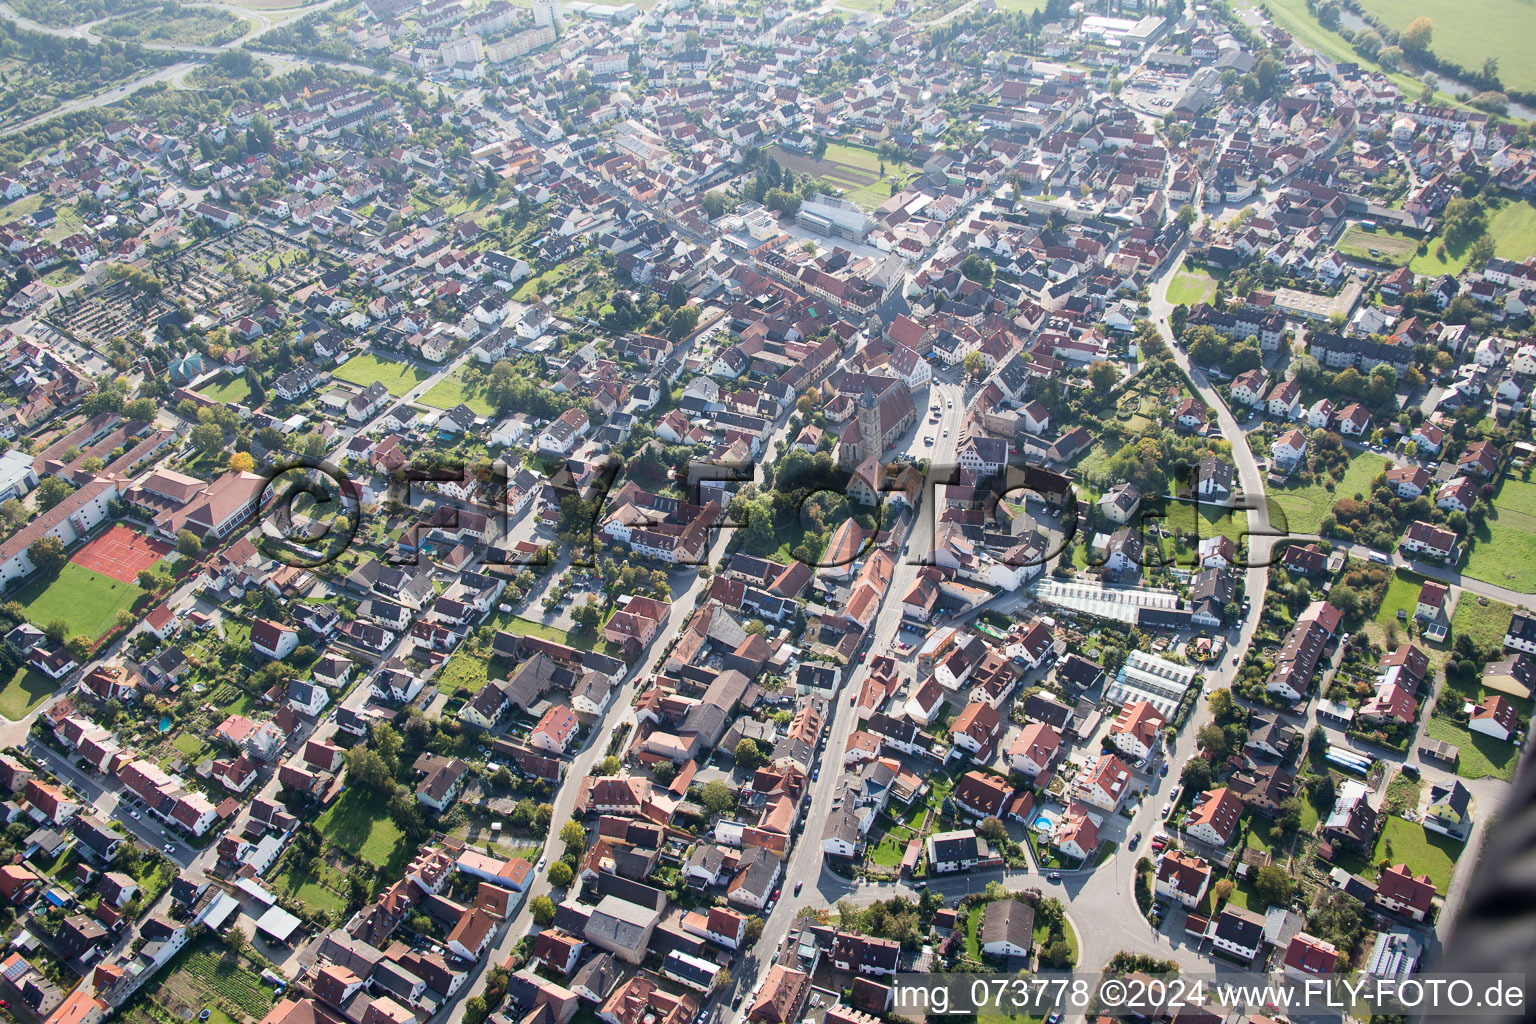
{"type": "Point", "coordinates": [1384, 247]}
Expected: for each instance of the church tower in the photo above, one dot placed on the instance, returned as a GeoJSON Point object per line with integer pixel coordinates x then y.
{"type": "Point", "coordinates": [871, 437]}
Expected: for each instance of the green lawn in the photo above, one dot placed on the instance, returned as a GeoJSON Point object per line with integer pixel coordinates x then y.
{"type": "Point", "coordinates": [234, 390]}
{"type": "Point", "coordinates": [888, 852]}
{"type": "Point", "coordinates": [467, 673]}
{"type": "Point", "coordinates": [188, 744]}
{"type": "Point", "coordinates": [1467, 31]}
{"type": "Point", "coordinates": [1505, 552]}
{"type": "Point", "coordinates": [1425, 852]}
{"type": "Point", "coordinates": [1191, 287]}
{"type": "Point", "coordinates": [1481, 756]}
{"type": "Point", "coordinates": [1392, 249]}
{"type": "Point", "coordinates": [87, 600]}
{"type": "Point", "coordinates": [1213, 520]}
{"type": "Point", "coordinates": [359, 823]}
{"type": "Point", "coordinates": [365, 369]}
{"type": "Point", "coordinates": [1485, 619]}
{"type": "Point", "coordinates": [452, 390]}
{"type": "Point", "coordinates": [527, 627]}
{"type": "Point", "coordinates": [1403, 794]}
{"type": "Point", "coordinates": [1301, 508]}
{"type": "Point", "coordinates": [1512, 228]}
{"type": "Point", "coordinates": [26, 689]}
{"type": "Point", "coordinates": [310, 891]}
{"type": "Point", "coordinates": [1402, 595]}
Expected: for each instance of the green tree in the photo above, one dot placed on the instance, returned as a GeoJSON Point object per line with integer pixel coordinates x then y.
{"type": "Point", "coordinates": [1103, 376]}
{"type": "Point", "coordinates": [543, 910]}
{"type": "Point", "coordinates": [560, 874]}
{"type": "Point", "coordinates": [747, 753]}
{"type": "Point", "coordinates": [188, 543]}
{"type": "Point", "coordinates": [50, 491]}
{"type": "Point", "coordinates": [1196, 775]}
{"type": "Point", "coordinates": [1416, 37]}
{"type": "Point", "coordinates": [142, 409]}
{"type": "Point", "coordinates": [573, 835]}
{"type": "Point", "coordinates": [48, 555]}
{"type": "Point", "coordinates": [717, 797]}
{"type": "Point", "coordinates": [1273, 885]}
{"type": "Point", "coordinates": [977, 268]}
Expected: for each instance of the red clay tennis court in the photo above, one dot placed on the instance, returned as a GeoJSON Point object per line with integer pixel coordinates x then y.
{"type": "Point", "coordinates": [120, 553]}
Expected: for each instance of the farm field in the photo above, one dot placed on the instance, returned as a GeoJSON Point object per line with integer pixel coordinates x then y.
{"type": "Point", "coordinates": [364, 370]}
{"type": "Point", "coordinates": [1301, 508]}
{"type": "Point", "coordinates": [25, 690]}
{"type": "Point", "coordinates": [87, 600]}
{"type": "Point", "coordinates": [454, 389]}
{"type": "Point", "coordinates": [852, 169]}
{"type": "Point", "coordinates": [359, 823]}
{"type": "Point", "coordinates": [1480, 756]}
{"type": "Point", "coordinates": [1512, 228]}
{"type": "Point", "coordinates": [1485, 619]}
{"type": "Point", "coordinates": [1391, 248]}
{"type": "Point", "coordinates": [1467, 31]}
{"type": "Point", "coordinates": [1191, 287]}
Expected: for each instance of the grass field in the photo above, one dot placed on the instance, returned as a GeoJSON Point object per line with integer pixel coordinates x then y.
{"type": "Point", "coordinates": [1402, 594]}
{"type": "Point", "coordinates": [1425, 852]}
{"type": "Point", "coordinates": [310, 891]}
{"type": "Point", "coordinates": [87, 600]}
{"type": "Point", "coordinates": [1467, 31]}
{"type": "Point", "coordinates": [364, 370]}
{"type": "Point", "coordinates": [1512, 228]}
{"type": "Point", "coordinates": [452, 390]}
{"type": "Point", "coordinates": [25, 690]}
{"type": "Point", "coordinates": [853, 170]}
{"type": "Point", "coordinates": [232, 391]}
{"type": "Point", "coordinates": [1301, 508]}
{"type": "Point", "coordinates": [1485, 619]}
{"type": "Point", "coordinates": [1392, 249]}
{"type": "Point", "coordinates": [1191, 287]}
{"type": "Point", "coordinates": [1505, 553]}
{"type": "Point", "coordinates": [1481, 756]}
{"type": "Point", "coordinates": [359, 823]}
{"type": "Point", "coordinates": [1295, 18]}
{"type": "Point", "coordinates": [1213, 520]}
{"type": "Point", "coordinates": [468, 673]}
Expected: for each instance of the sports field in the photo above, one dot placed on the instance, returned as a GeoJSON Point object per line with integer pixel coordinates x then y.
{"type": "Point", "coordinates": [88, 601]}
{"type": "Point", "coordinates": [121, 553]}
{"type": "Point", "coordinates": [1469, 31]}
{"type": "Point", "coordinates": [365, 369]}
